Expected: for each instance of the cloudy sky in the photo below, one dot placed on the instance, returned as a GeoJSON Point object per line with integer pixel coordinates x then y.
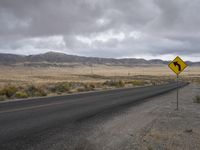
{"type": "Point", "coordinates": [103, 28]}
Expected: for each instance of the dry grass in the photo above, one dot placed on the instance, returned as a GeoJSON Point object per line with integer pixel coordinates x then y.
{"type": "Point", "coordinates": [84, 78]}
{"type": "Point", "coordinates": [24, 75]}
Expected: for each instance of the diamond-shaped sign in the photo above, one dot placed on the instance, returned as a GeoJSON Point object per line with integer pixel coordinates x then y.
{"type": "Point", "coordinates": [177, 65]}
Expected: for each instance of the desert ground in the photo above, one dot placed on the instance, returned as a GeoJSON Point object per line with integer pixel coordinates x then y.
{"type": "Point", "coordinates": [21, 81]}
{"type": "Point", "coordinates": [96, 73]}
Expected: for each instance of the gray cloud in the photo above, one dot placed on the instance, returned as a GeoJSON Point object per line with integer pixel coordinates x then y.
{"type": "Point", "coordinates": [106, 28]}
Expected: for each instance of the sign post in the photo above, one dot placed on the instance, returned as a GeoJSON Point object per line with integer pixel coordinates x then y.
{"type": "Point", "coordinates": [177, 66]}
{"type": "Point", "coordinates": [177, 93]}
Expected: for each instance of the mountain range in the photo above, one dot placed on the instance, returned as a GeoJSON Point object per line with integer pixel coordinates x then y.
{"type": "Point", "coordinates": [50, 58]}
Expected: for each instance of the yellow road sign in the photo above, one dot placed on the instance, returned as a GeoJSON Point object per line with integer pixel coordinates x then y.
{"type": "Point", "coordinates": [177, 65]}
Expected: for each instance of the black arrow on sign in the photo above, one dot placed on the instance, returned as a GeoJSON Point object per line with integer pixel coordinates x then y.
{"type": "Point", "coordinates": [177, 64]}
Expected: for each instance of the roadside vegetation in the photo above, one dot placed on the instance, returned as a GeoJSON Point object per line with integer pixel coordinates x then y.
{"type": "Point", "coordinates": [26, 91]}
{"type": "Point", "coordinates": [196, 99]}
{"type": "Point", "coordinates": [114, 83]}
{"type": "Point", "coordinates": [138, 82]}
{"type": "Point", "coordinates": [19, 92]}
{"type": "Point", "coordinates": [41, 81]}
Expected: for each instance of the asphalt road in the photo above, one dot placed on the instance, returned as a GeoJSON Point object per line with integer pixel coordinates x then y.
{"type": "Point", "coordinates": [22, 119]}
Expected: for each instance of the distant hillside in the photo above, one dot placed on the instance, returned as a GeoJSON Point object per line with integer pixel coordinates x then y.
{"type": "Point", "coordinates": [50, 58]}
{"type": "Point", "coordinates": [11, 58]}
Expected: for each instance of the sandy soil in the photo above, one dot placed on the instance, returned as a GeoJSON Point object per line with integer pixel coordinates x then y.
{"type": "Point", "coordinates": [174, 130]}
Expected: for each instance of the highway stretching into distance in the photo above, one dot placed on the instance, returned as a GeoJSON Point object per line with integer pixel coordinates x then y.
{"type": "Point", "coordinates": [24, 118]}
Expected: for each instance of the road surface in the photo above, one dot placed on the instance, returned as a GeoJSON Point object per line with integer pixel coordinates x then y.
{"type": "Point", "coordinates": [21, 120]}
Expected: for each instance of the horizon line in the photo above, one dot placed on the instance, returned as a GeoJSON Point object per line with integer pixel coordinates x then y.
{"type": "Point", "coordinates": [52, 51]}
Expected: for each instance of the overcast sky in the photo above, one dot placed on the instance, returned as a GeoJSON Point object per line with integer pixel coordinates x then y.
{"type": "Point", "coordinates": [103, 28]}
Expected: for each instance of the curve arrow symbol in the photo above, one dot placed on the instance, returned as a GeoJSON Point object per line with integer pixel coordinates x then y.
{"type": "Point", "coordinates": [177, 64]}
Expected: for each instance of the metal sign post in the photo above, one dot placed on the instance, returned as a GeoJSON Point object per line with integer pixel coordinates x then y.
{"type": "Point", "coordinates": [177, 92]}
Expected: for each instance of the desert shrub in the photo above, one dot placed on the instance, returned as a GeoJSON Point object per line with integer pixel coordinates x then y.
{"type": "Point", "coordinates": [8, 91]}
{"type": "Point", "coordinates": [35, 91]}
{"type": "Point", "coordinates": [114, 83]}
{"type": "Point", "coordinates": [3, 97]}
{"type": "Point", "coordinates": [61, 87]}
{"type": "Point", "coordinates": [21, 95]}
{"type": "Point", "coordinates": [89, 87]}
{"type": "Point", "coordinates": [81, 89]}
{"type": "Point", "coordinates": [153, 83]}
{"type": "Point", "coordinates": [196, 99]}
{"type": "Point", "coordinates": [92, 86]}
{"type": "Point", "coordinates": [138, 83]}
{"type": "Point", "coordinates": [109, 83]}
{"type": "Point", "coordinates": [2, 93]}
{"type": "Point", "coordinates": [86, 87]}
{"type": "Point", "coordinates": [149, 148]}
{"type": "Point", "coordinates": [121, 84]}
{"type": "Point", "coordinates": [50, 88]}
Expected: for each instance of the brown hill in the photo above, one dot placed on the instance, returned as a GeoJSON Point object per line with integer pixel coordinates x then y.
{"type": "Point", "coordinates": [55, 57]}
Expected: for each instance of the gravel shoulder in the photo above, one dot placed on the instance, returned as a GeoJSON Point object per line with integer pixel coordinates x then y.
{"type": "Point", "coordinates": [153, 124]}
